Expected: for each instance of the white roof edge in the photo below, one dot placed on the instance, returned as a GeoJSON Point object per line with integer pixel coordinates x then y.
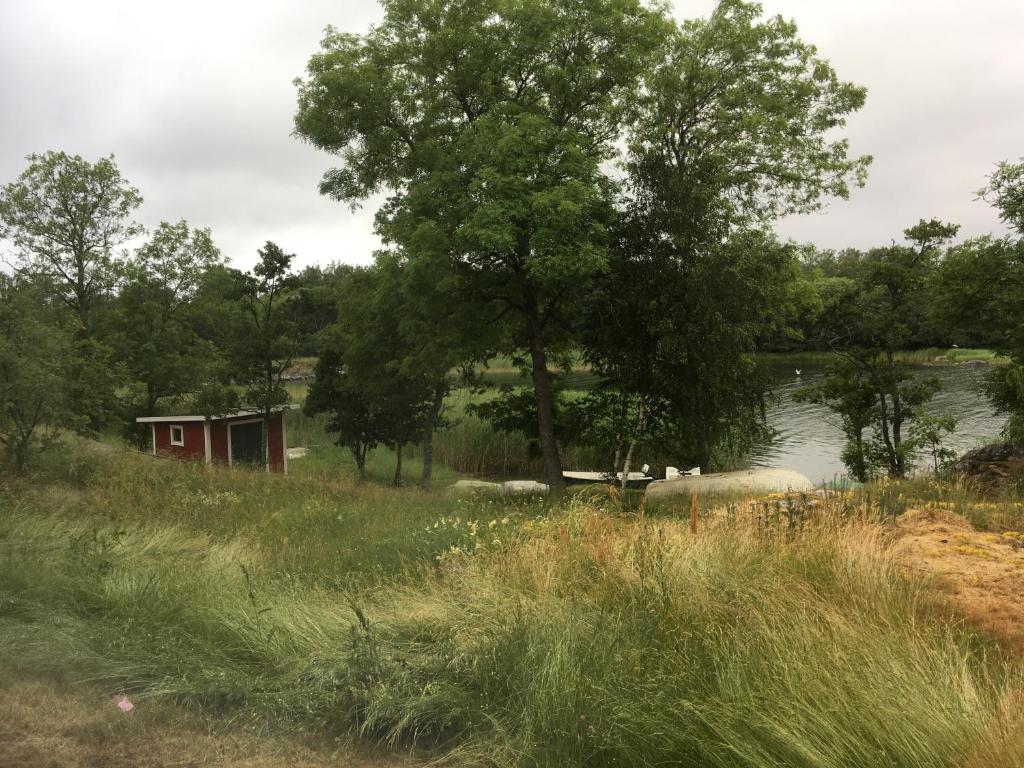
{"type": "Point", "coordinates": [193, 417]}
{"type": "Point", "coordinates": [150, 419]}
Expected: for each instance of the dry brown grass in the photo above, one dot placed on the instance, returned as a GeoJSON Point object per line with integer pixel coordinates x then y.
{"type": "Point", "coordinates": [46, 723]}
{"type": "Point", "coordinates": [983, 572]}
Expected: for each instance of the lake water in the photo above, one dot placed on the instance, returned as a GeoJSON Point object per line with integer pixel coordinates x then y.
{"type": "Point", "coordinates": [809, 440]}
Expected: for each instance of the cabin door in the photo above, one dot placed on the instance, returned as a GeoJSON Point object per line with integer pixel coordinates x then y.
{"type": "Point", "coordinates": [247, 443]}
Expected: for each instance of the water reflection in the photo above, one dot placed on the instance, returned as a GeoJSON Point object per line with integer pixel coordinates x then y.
{"type": "Point", "coordinates": [809, 440]}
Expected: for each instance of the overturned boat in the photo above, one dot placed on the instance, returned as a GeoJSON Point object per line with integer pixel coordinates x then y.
{"type": "Point", "coordinates": [752, 481]}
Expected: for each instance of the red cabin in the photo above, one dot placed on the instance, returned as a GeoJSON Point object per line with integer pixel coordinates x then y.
{"type": "Point", "coordinates": [235, 438]}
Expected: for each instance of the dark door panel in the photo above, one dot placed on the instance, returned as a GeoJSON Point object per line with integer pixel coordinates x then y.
{"type": "Point", "coordinates": [247, 443]}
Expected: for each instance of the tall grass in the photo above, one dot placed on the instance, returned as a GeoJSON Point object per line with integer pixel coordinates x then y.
{"type": "Point", "coordinates": [469, 445]}
{"type": "Point", "coordinates": [510, 636]}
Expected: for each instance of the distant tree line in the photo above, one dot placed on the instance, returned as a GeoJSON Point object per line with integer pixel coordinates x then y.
{"type": "Point", "coordinates": [564, 182]}
{"type": "Point", "coordinates": [101, 322]}
{"type": "Point", "coordinates": [867, 307]}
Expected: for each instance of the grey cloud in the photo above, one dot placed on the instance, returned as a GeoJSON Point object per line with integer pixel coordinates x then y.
{"type": "Point", "coordinates": [196, 100]}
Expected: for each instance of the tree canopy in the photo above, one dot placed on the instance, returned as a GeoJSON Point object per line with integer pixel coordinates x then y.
{"type": "Point", "coordinates": [495, 126]}
{"type": "Point", "coordinates": [66, 217]}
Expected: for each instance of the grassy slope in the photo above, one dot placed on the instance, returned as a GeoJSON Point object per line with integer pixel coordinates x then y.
{"type": "Point", "coordinates": [47, 721]}
{"type": "Point", "coordinates": [570, 636]}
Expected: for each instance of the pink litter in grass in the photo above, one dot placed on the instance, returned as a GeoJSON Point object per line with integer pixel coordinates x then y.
{"type": "Point", "coordinates": [123, 703]}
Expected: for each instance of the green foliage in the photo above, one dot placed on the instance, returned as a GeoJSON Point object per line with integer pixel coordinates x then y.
{"type": "Point", "coordinates": [848, 391]}
{"type": "Point", "coordinates": [313, 305]}
{"type": "Point", "coordinates": [927, 433]}
{"type": "Point", "coordinates": [264, 339]}
{"type": "Point", "coordinates": [863, 387]}
{"type": "Point", "coordinates": [493, 124]}
{"type": "Point", "coordinates": [675, 331]}
{"type": "Point", "coordinates": [360, 382]}
{"type": "Point", "coordinates": [1005, 190]}
{"type": "Point", "coordinates": [1006, 388]}
{"type": "Point", "coordinates": [65, 217]}
{"type": "Point", "coordinates": [883, 305]}
{"type": "Point", "coordinates": [154, 321]}
{"type": "Point", "coordinates": [38, 357]}
{"type": "Point", "coordinates": [977, 289]}
{"type": "Point", "coordinates": [736, 125]}
{"type": "Point", "coordinates": [355, 416]}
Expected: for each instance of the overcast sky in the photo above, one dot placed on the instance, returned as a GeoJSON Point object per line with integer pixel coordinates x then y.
{"type": "Point", "coordinates": [196, 101]}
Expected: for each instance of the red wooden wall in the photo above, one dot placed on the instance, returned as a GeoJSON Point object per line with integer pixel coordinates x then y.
{"type": "Point", "coordinates": [195, 440]}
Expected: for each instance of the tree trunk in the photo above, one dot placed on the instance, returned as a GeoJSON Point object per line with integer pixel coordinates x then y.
{"type": "Point", "coordinates": [398, 464]}
{"type": "Point", "coordinates": [428, 457]}
{"type": "Point", "coordinates": [428, 433]}
{"type": "Point", "coordinates": [883, 409]}
{"type": "Point", "coordinates": [20, 450]}
{"type": "Point", "coordinates": [860, 473]}
{"type": "Point", "coordinates": [704, 449]}
{"type": "Point", "coordinates": [359, 453]}
{"type": "Point", "coordinates": [82, 297]}
{"type": "Point", "coordinates": [545, 397]}
{"type": "Point", "coordinates": [897, 416]}
{"type": "Point", "coordinates": [619, 433]}
{"type": "Point", "coordinates": [632, 445]}
{"type": "Point", "coordinates": [626, 464]}
{"type": "Point", "coordinates": [266, 440]}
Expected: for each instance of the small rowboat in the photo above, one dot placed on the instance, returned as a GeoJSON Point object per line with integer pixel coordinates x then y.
{"type": "Point", "coordinates": [634, 480]}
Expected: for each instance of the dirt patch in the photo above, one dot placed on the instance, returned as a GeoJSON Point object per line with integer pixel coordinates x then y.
{"type": "Point", "coordinates": [46, 724]}
{"type": "Point", "coordinates": [984, 572]}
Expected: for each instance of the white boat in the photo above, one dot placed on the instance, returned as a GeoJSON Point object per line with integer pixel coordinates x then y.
{"type": "Point", "coordinates": [634, 480]}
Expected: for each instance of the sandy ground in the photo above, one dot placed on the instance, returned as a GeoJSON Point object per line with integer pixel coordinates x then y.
{"type": "Point", "coordinates": [983, 572]}
{"type": "Point", "coordinates": [49, 724]}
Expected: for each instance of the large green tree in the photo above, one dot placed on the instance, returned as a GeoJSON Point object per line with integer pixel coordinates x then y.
{"type": "Point", "coordinates": [886, 305]}
{"type": "Point", "coordinates": [66, 218]}
{"type": "Point", "coordinates": [37, 360]}
{"type": "Point", "coordinates": [1005, 191]}
{"type": "Point", "coordinates": [156, 337]}
{"type": "Point", "coordinates": [495, 125]}
{"type": "Point", "coordinates": [736, 126]}
{"type": "Point", "coordinates": [399, 344]}
{"type": "Point", "coordinates": [263, 341]}
{"type": "Point", "coordinates": [488, 122]}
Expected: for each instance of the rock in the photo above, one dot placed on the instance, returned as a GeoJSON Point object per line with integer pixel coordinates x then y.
{"type": "Point", "coordinates": [472, 489]}
{"type": "Point", "coordinates": [524, 488]}
{"type": "Point", "coordinates": [975, 362]}
{"type": "Point", "coordinates": [992, 464]}
{"type": "Point", "coordinates": [986, 454]}
{"type": "Point", "coordinates": [746, 481]}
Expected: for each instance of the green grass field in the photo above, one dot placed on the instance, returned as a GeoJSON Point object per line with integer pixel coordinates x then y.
{"type": "Point", "coordinates": [494, 634]}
